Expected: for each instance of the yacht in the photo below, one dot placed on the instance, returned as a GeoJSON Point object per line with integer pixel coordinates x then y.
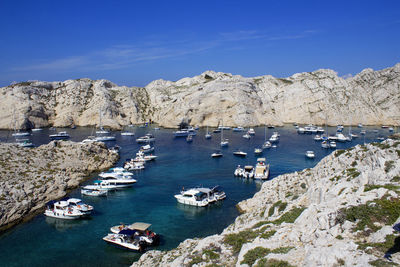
{"type": "Point", "coordinates": [318, 138]}
{"type": "Point", "coordinates": [261, 170]}
{"type": "Point", "coordinates": [341, 137]}
{"type": "Point", "coordinates": [251, 131]}
{"type": "Point", "coordinates": [360, 125]}
{"type": "Point", "coordinates": [310, 154]}
{"type": "Point", "coordinates": [216, 154]}
{"type": "Point", "coordinates": [79, 205]}
{"type": "Point", "coordinates": [200, 196]}
{"type": "Point", "coordinates": [132, 165]}
{"type": "Point", "coordinates": [146, 139]}
{"type": "Point", "coordinates": [59, 136]}
{"type": "Point", "coordinates": [208, 135]}
{"type": "Point", "coordinates": [239, 153]}
{"type": "Point", "coordinates": [274, 138]}
{"type": "Point", "coordinates": [325, 144]}
{"type": "Point", "coordinates": [146, 148]}
{"type": "Point", "coordinates": [142, 229]}
{"type": "Point", "coordinates": [95, 192]}
{"type": "Point", "coordinates": [62, 210]}
{"type": "Point", "coordinates": [89, 140]}
{"type": "Point", "coordinates": [119, 181]}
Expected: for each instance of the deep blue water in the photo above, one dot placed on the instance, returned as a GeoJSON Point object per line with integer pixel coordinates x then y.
{"type": "Point", "coordinates": [48, 242]}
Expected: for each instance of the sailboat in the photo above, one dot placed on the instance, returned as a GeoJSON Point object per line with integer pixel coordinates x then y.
{"type": "Point", "coordinates": [267, 144]}
{"type": "Point", "coordinates": [102, 134]}
{"type": "Point", "coordinates": [18, 133]}
{"type": "Point", "coordinates": [224, 142]}
{"type": "Point", "coordinates": [101, 129]}
{"type": "Point", "coordinates": [208, 135]}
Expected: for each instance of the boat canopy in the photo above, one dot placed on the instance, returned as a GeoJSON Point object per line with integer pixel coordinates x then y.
{"type": "Point", "coordinates": [261, 159]}
{"type": "Point", "coordinates": [140, 226]}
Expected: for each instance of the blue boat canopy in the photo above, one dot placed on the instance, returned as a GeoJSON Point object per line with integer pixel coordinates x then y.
{"type": "Point", "coordinates": [127, 232]}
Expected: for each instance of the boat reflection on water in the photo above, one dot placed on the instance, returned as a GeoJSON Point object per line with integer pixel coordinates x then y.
{"type": "Point", "coordinates": [64, 225]}
{"type": "Point", "coordinates": [192, 212]}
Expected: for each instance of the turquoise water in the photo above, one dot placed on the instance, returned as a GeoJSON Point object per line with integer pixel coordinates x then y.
{"type": "Point", "coordinates": [46, 242]}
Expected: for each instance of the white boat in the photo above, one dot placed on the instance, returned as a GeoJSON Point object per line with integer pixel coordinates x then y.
{"type": "Point", "coordinates": [89, 140]}
{"type": "Point", "coordinates": [318, 138]}
{"type": "Point", "coordinates": [200, 196]}
{"type": "Point", "coordinates": [59, 136]}
{"type": "Point", "coordinates": [132, 165]}
{"type": "Point", "coordinates": [105, 138]}
{"type": "Point", "coordinates": [332, 144]}
{"type": "Point", "coordinates": [360, 125]}
{"type": "Point", "coordinates": [116, 174]}
{"type": "Point", "coordinates": [127, 133]}
{"type": "Point", "coordinates": [224, 142]}
{"type": "Point", "coordinates": [37, 129]}
{"type": "Point", "coordinates": [126, 239]}
{"type": "Point", "coordinates": [320, 130]}
{"type": "Point", "coordinates": [341, 137]}
{"type": "Point", "coordinates": [248, 171]}
{"type": "Point", "coordinates": [238, 129]}
{"type": "Point", "coordinates": [101, 185]}
{"type": "Point", "coordinates": [62, 210]}
{"type": "Point", "coordinates": [146, 139]}
{"type": "Point", "coordinates": [147, 148]}
{"type": "Point", "coordinates": [119, 181]}
{"type": "Point", "coordinates": [267, 144]}
{"type": "Point", "coordinates": [310, 154]}
{"type": "Point", "coordinates": [325, 144]}
{"type": "Point", "coordinates": [207, 135]}
{"type": "Point", "coordinates": [239, 153]}
{"type": "Point", "coordinates": [79, 205]}
{"type": "Point", "coordinates": [181, 133]}
{"type": "Point", "coordinates": [301, 130]}
{"type": "Point", "coordinates": [257, 150]}
{"type": "Point", "coordinates": [238, 171]}
{"type": "Point", "coordinates": [363, 132]}
{"type": "Point", "coordinates": [25, 143]}
{"type": "Point", "coordinates": [261, 170]}
{"type": "Point", "coordinates": [251, 131]}
{"type": "Point", "coordinates": [391, 129]}
{"type": "Point", "coordinates": [274, 138]}
{"type": "Point", "coordinates": [94, 192]}
{"type": "Point", "coordinates": [247, 136]}
{"type": "Point", "coordinates": [216, 154]}
{"type": "Point", "coordinates": [224, 128]}
{"type": "Point", "coordinates": [142, 230]}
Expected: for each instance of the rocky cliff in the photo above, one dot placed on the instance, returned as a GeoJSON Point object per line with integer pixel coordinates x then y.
{"type": "Point", "coordinates": [341, 212]}
{"type": "Point", "coordinates": [32, 176]}
{"type": "Point", "coordinates": [319, 97]}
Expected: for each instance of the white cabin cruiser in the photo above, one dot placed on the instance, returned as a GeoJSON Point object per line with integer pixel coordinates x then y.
{"type": "Point", "coordinates": [216, 154]}
{"type": "Point", "coordinates": [101, 185]}
{"type": "Point", "coordinates": [310, 154]}
{"type": "Point", "coordinates": [251, 131]}
{"type": "Point", "coordinates": [146, 139]}
{"type": "Point", "coordinates": [94, 192]}
{"type": "Point", "coordinates": [62, 210]}
{"type": "Point", "coordinates": [267, 144]}
{"type": "Point", "coordinates": [59, 136]}
{"type": "Point", "coordinates": [261, 170]}
{"type": "Point", "coordinates": [119, 181]}
{"type": "Point", "coordinates": [239, 153]}
{"type": "Point", "coordinates": [147, 148]}
{"type": "Point", "coordinates": [20, 134]}
{"type": "Point", "coordinates": [193, 197]}
{"type": "Point", "coordinates": [246, 135]}
{"type": "Point", "coordinates": [127, 133]}
{"type": "Point", "coordinates": [258, 151]}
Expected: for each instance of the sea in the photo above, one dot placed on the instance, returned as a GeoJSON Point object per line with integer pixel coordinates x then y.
{"type": "Point", "coordinates": [44, 241]}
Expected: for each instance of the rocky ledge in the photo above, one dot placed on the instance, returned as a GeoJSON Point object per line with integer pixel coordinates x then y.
{"type": "Point", "coordinates": [29, 177]}
{"type": "Point", "coordinates": [341, 212]}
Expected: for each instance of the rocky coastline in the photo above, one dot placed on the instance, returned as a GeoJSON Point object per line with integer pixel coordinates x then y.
{"type": "Point", "coordinates": [30, 177]}
{"type": "Point", "coordinates": [339, 213]}
{"type": "Point", "coordinates": [209, 99]}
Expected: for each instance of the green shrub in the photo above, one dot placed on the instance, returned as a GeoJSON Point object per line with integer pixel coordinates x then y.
{"type": "Point", "coordinates": [268, 234]}
{"type": "Point", "coordinates": [389, 165]}
{"type": "Point", "coordinates": [212, 255]}
{"type": "Point", "coordinates": [254, 254]}
{"type": "Point", "coordinates": [272, 263]}
{"type": "Point", "coordinates": [237, 240]}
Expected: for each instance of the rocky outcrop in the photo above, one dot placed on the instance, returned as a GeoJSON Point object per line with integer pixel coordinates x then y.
{"type": "Point", "coordinates": [341, 212]}
{"type": "Point", "coordinates": [31, 177]}
{"type": "Point", "coordinates": [319, 97]}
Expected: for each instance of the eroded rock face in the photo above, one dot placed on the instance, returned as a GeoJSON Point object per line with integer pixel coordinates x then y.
{"type": "Point", "coordinates": [30, 177]}
{"type": "Point", "coordinates": [341, 212]}
{"type": "Point", "coordinates": [212, 98]}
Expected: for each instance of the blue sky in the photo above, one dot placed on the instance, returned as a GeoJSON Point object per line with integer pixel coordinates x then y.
{"type": "Point", "coordinates": [134, 42]}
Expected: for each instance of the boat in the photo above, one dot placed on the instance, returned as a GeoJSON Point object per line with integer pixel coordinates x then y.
{"type": "Point", "coordinates": [200, 196]}
{"type": "Point", "coordinates": [248, 171]}
{"type": "Point", "coordinates": [274, 138]}
{"type": "Point", "coordinates": [127, 133]}
{"type": "Point", "coordinates": [146, 148]}
{"type": "Point", "coordinates": [116, 174]}
{"type": "Point", "coordinates": [224, 127]}
{"type": "Point", "coordinates": [181, 133]}
{"type": "Point", "coordinates": [189, 138]}
{"type": "Point", "coordinates": [62, 210]}
{"type": "Point", "coordinates": [132, 165]}
{"type": "Point", "coordinates": [318, 138]}
{"type": "Point", "coordinates": [119, 181]}
{"type": "Point", "coordinates": [216, 154]}
{"type": "Point", "coordinates": [89, 140]}
{"type": "Point", "coordinates": [148, 138]}
{"type": "Point", "coordinates": [384, 126]}
{"type": "Point", "coordinates": [79, 205]}
{"type": "Point", "coordinates": [360, 125]}
{"type": "Point", "coordinates": [332, 144]}
{"type": "Point", "coordinates": [247, 136]}
{"type": "Point", "coordinates": [101, 130]}
{"type": "Point", "coordinates": [101, 185]}
{"type": "Point", "coordinates": [217, 131]}
{"type": "Point", "coordinates": [115, 149]}
{"type": "Point", "coordinates": [238, 171]}
{"type": "Point", "coordinates": [341, 137]}
{"type": "Point", "coordinates": [18, 133]}
{"type": "Point", "coordinates": [128, 239]}
{"type": "Point", "coordinates": [258, 151]}
{"type": "Point", "coordinates": [239, 153]}
{"type": "Point", "coordinates": [301, 130]}
{"type": "Point", "coordinates": [310, 154]}
{"type": "Point", "coordinates": [238, 129]}
{"type": "Point", "coordinates": [261, 170]}
{"type": "Point", "coordinates": [251, 131]}
{"type": "Point", "coordinates": [142, 229]}
{"type": "Point", "coordinates": [271, 126]}
{"type": "Point", "coordinates": [391, 129]}
{"type": "Point", "coordinates": [325, 144]}
{"type": "Point", "coordinates": [363, 132]}
{"type": "Point", "coordinates": [224, 142]}
{"type": "Point", "coordinates": [94, 192]}
{"type": "Point", "coordinates": [59, 136]}
{"type": "Point", "coordinates": [267, 144]}
{"type": "Point", "coordinates": [207, 135]}
{"type": "Point", "coordinates": [25, 143]}
{"type": "Point", "coordinates": [37, 129]}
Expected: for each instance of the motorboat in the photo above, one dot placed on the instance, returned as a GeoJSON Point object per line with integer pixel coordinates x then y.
{"type": "Point", "coordinates": [26, 143]}
{"type": "Point", "coordinates": [248, 171]}
{"type": "Point", "coordinates": [128, 239]}
{"type": "Point", "coordinates": [102, 131]}
{"type": "Point", "coordinates": [79, 205]}
{"type": "Point", "coordinates": [189, 138]}
{"type": "Point", "coordinates": [332, 144]}
{"type": "Point", "coordinates": [224, 127]}
{"type": "Point", "coordinates": [216, 154]}
{"type": "Point", "coordinates": [310, 154]}
{"type": "Point", "coordinates": [341, 137]}
{"type": "Point", "coordinates": [105, 138]}
{"type": "Point", "coordinates": [200, 196]}
{"type": "Point", "coordinates": [181, 133]}
{"type": "Point", "coordinates": [224, 142]}
{"type": "Point", "coordinates": [258, 151]}
{"type": "Point", "coordinates": [142, 229]}
{"type": "Point", "coordinates": [94, 192]}
{"type": "Point", "coordinates": [62, 210]}
{"type": "Point", "coordinates": [251, 131]}
{"type": "Point", "coordinates": [274, 138]}
{"type": "Point", "coordinates": [146, 148]}
{"type": "Point", "coordinates": [238, 129]}
{"type": "Point", "coordinates": [261, 170]}
{"type": "Point", "coordinates": [132, 165]}
{"type": "Point", "coordinates": [115, 149]}
{"type": "Point", "coordinates": [116, 174]}
{"type": "Point", "coordinates": [360, 125]}
{"type": "Point", "coordinates": [101, 185]}
{"type": "Point", "coordinates": [146, 139]}
{"type": "Point", "coordinates": [320, 130]}
{"type": "Point", "coordinates": [267, 144]}
{"type": "Point", "coordinates": [332, 138]}
{"type": "Point", "coordinates": [217, 131]}
{"type": "Point", "coordinates": [59, 136]}
{"type": "Point", "coordinates": [238, 171]}
{"type": "Point", "coordinates": [318, 138]}
{"type": "Point", "coordinates": [271, 126]}
{"type": "Point", "coordinates": [20, 134]}
{"type": "Point", "coordinates": [119, 181]}
{"type": "Point", "coordinates": [247, 136]}
{"type": "Point", "coordinates": [325, 144]}
{"type": "Point", "coordinates": [37, 129]}
{"type": "Point", "coordinates": [353, 135]}
{"type": "Point", "coordinates": [193, 197]}
{"type": "Point", "coordinates": [301, 130]}
{"type": "Point", "coordinates": [127, 133]}
{"type": "Point", "coordinates": [391, 129]}
{"type": "Point", "coordinates": [239, 153]}
{"type": "Point", "coordinates": [207, 135]}
{"type": "Point", "coordinates": [89, 140]}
